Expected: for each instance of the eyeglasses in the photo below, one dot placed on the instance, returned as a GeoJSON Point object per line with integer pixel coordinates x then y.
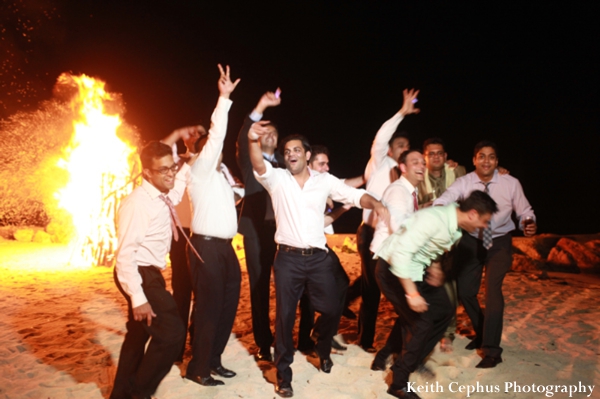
{"type": "Point", "coordinates": [435, 154]}
{"type": "Point", "coordinates": [164, 170]}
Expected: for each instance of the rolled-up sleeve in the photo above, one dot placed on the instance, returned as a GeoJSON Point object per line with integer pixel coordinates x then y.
{"type": "Point", "coordinates": [345, 194]}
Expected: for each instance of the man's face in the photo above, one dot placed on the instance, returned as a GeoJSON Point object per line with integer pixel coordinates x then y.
{"type": "Point", "coordinates": [190, 143]}
{"type": "Point", "coordinates": [294, 156]}
{"type": "Point", "coordinates": [398, 146]}
{"type": "Point", "coordinates": [435, 156]}
{"type": "Point", "coordinates": [485, 162]}
{"type": "Point", "coordinates": [164, 181]}
{"type": "Point", "coordinates": [414, 168]}
{"type": "Point", "coordinates": [269, 140]}
{"type": "Point", "coordinates": [475, 221]}
{"type": "Point", "coordinates": [319, 163]}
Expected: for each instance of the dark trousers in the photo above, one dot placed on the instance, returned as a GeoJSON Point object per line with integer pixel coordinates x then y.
{"type": "Point", "coordinates": [293, 274]}
{"type": "Point", "coordinates": [470, 259]}
{"type": "Point", "coordinates": [420, 332]}
{"type": "Point", "coordinates": [260, 250]}
{"type": "Point", "coordinates": [369, 289]}
{"type": "Point", "coordinates": [307, 312]}
{"type": "Point", "coordinates": [141, 369]}
{"type": "Point", "coordinates": [181, 283]}
{"type": "Point", "coordinates": [216, 295]}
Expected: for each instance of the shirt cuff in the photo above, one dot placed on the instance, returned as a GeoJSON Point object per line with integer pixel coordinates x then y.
{"type": "Point", "coordinates": [138, 299]}
{"type": "Point", "coordinates": [255, 116]}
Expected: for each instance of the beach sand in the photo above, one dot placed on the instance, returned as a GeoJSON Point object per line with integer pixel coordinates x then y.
{"type": "Point", "coordinates": [62, 328]}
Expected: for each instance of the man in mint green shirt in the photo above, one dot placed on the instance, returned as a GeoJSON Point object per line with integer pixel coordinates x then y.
{"type": "Point", "coordinates": [409, 274]}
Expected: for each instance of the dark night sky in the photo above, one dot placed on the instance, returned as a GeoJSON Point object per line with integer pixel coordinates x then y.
{"type": "Point", "coordinates": [524, 76]}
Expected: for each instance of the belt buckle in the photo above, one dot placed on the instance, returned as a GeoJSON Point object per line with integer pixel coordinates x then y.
{"type": "Point", "coordinates": [307, 251]}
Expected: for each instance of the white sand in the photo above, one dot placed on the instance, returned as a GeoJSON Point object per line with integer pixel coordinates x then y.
{"type": "Point", "coordinates": [61, 332]}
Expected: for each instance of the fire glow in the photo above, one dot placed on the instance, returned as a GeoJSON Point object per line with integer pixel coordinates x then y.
{"type": "Point", "coordinates": [102, 170]}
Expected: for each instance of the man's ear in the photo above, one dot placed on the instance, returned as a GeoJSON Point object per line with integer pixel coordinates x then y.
{"type": "Point", "coordinates": [308, 154]}
{"type": "Point", "coordinates": [146, 174]}
{"type": "Point", "coordinates": [402, 167]}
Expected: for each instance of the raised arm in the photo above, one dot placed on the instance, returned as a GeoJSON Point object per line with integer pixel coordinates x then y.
{"type": "Point", "coordinates": [257, 130]}
{"type": "Point", "coordinates": [379, 149]}
{"type": "Point", "coordinates": [186, 134]}
{"type": "Point", "coordinates": [269, 99]}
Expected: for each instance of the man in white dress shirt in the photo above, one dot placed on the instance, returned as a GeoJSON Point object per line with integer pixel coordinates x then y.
{"type": "Point", "coordinates": [385, 151]}
{"type": "Point", "coordinates": [144, 237]}
{"type": "Point", "coordinates": [401, 199]}
{"type": "Point", "coordinates": [216, 277]}
{"type": "Point", "coordinates": [303, 260]}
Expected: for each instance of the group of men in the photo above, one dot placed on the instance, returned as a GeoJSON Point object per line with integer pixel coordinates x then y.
{"type": "Point", "coordinates": [286, 209]}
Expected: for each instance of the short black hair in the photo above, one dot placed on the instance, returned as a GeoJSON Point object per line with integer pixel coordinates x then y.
{"type": "Point", "coordinates": [485, 143]}
{"type": "Point", "coordinates": [291, 137]}
{"type": "Point", "coordinates": [399, 134]}
{"type": "Point", "coordinates": [154, 150]}
{"type": "Point", "coordinates": [273, 125]}
{"type": "Point", "coordinates": [480, 201]}
{"type": "Point", "coordinates": [318, 149]}
{"type": "Point", "coordinates": [433, 140]}
{"type": "Point", "coordinates": [405, 154]}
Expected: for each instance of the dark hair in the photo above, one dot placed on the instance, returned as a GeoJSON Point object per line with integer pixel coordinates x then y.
{"type": "Point", "coordinates": [405, 154]}
{"type": "Point", "coordinates": [318, 149]}
{"type": "Point", "coordinates": [397, 135]}
{"type": "Point", "coordinates": [485, 143]}
{"type": "Point", "coordinates": [479, 201]}
{"type": "Point", "coordinates": [274, 126]}
{"type": "Point", "coordinates": [433, 140]}
{"type": "Point", "coordinates": [299, 137]}
{"type": "Point", "coordinates": [154, 150]}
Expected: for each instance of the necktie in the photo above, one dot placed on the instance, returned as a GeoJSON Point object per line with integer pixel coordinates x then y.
{"type": "Point", "coordinates": [175, 222]}
{"type": "Point", "coordinates": [487, 232]}
{"type": "Point", "coordinates": [415, 202]}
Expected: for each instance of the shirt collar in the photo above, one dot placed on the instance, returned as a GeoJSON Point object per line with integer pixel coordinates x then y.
{"type": "Point", "coordinates": [404, 181]}
{"type": "Point", "coordinates": [152, 191]}
{"type": "Point", "coordinates": [270, 157]}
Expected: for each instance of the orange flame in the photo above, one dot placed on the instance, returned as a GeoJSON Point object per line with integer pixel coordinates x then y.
{"type": "Point", "coordinates": [101, 170]}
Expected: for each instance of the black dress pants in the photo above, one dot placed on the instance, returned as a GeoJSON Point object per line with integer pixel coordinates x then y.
{"type": "Point", "coordinates": [260, 251]}
{"type": "Point", "coordinates": [307, 312]}
{"type": "Point", "coordinates": [420, 331]}
{"type": "Point", "coordinates": [181, 283]}
{"type": "Point", "coordinates": [470, 258]}
{"type": "Point", "coordinates": [369, 290]}
{"type": "Point", "coordinates": [141, 369]}
{"type": "Point", "coordinates": [293, 274]}
{"type": "Point", "coordinates": [216, 295]}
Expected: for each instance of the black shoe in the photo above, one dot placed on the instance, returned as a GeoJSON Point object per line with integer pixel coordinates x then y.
{"type": "Point", "coordinates": [379, 363]}
{"type": "Point", "coordinates": [347, 313]}
{"type": "Point", "coordinates": [402, 393]}
{"type": "Point", "coordinates": [489, 362]}
{"type": "Point", "coordinates": [326, 364]}
{"type": "Point", "coordinates": [369, 349]}
{"type": "Point", "coordinates": [474, 344]}
{"type": "Point", "coordinates": [222, 372]}
{"type": "Point", "coordinates": [204, 381]}
{"type": "Point", "coordinates": [284, 390]}
{"type": "Point", "coordinates": [264, 355]}
{"type": "Point", "coordinates": [337, 346]}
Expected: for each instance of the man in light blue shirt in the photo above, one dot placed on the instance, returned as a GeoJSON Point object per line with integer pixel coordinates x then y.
{"type": "Point", "coordinates": [491, 247]}
{"type": "Point", "coordinates": [410, 276]}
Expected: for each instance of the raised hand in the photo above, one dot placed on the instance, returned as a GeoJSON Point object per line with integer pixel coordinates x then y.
{"type": "Point", "coordinates": [269, 99]}
{"type": "Point", "coordinates": [410, 99]}
{"type": "Point", "coordinates": [258, 129]}
{"type": "Point", "coordinates": [226, 87]}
